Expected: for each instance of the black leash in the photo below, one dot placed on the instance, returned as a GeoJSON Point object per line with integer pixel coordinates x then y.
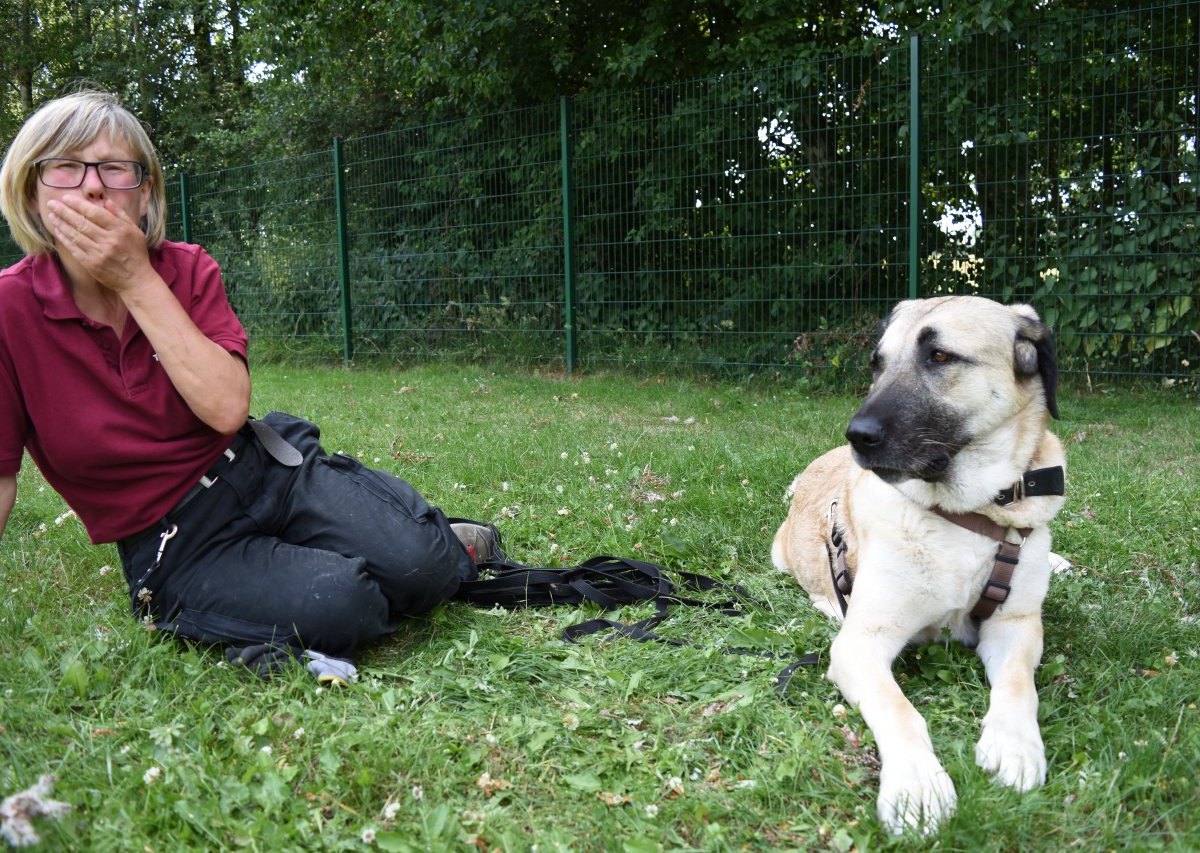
{"type": "Point", "coordinates": [613, 582]}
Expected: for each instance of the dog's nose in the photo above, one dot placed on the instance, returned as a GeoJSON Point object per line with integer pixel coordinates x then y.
{"type": "Point", "coordinates": [865, 433]}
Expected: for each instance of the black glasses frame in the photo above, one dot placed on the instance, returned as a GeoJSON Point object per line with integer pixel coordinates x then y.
{"type": "Point", "coordinates": [41, 164]}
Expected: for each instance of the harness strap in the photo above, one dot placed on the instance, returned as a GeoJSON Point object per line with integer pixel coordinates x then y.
{"type": "Point", "coordinates": [843, 580]}
{"type": "Point", "coordinates": [1008, 554]}
{"type": "Point", "coordinates": [999, 582]}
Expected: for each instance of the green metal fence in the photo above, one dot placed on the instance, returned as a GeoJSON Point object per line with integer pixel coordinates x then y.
{"type": "Point", "coordinates": [759, 221]}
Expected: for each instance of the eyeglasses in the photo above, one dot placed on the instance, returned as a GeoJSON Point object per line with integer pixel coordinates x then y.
{"type": "Point", "coordinates": [66, 174]}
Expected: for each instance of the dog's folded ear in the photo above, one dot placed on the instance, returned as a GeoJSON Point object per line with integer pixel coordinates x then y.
{"type": "Point", "coordinates": [1034, 353]}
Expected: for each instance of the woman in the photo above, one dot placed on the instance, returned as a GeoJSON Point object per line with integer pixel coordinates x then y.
{"type": "Point", "coordinates": [229, 530]}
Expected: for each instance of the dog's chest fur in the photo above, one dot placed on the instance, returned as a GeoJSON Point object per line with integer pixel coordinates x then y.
{"type": "Point", "coordinates": [930, 570]}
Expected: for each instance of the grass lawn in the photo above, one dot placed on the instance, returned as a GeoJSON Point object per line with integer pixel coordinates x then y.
{"type": "Point", "coordinates": [482, 729]}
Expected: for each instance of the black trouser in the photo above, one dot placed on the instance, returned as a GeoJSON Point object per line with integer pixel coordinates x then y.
{"type": "Point", "coordinates": [327, 555]}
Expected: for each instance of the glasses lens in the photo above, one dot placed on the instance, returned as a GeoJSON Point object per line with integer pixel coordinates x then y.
{"type": "Point", "coordinates": [120, 174]}
{"type": "Point", "coordinates": [64, 173]}
{"type": "Point", "coordinates": [56, 172]}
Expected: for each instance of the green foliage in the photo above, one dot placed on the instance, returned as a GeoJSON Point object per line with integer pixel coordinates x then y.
{"type": "Point", "coordinates": [1082, 192]}
{"type": "Point", "coordinates": [741, 168]}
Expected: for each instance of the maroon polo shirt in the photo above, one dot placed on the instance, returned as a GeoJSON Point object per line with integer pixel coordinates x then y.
{"type": "Point", "coordinates": [98, 414]}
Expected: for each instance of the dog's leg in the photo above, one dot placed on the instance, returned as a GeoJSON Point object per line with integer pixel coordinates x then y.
{"type": "Point", "coordinates": [915, 792]}
{"type": "Point", "coordinates": [1010, 744]}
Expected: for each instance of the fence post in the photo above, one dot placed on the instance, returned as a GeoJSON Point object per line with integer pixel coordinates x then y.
{"type": "Point", "coordinates": [185, 206]}
{"type": "Point", "coordinates": [343, 239]}
{"type": "Point", "coordinates": [564, 115]}
{"type": "Point", "coordinates": [914, 165]}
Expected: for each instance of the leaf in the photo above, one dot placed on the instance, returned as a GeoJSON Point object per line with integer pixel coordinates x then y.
{"type": "Point", "coordinates": [393, 842]}
{"type": "Point", "coordinates": [539, 741]}
{"type": "Point", "coordinates": [611, 799]}
{"type": "Point", "coordinates": [584, 781]}
{"type": "Point", "coordinates": [75, 677]}
{"type": "Point", "coordinates": [436, 820]}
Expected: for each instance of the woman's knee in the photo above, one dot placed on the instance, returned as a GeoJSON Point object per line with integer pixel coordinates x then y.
{"type": "Point", "coordinates": [342, 612]}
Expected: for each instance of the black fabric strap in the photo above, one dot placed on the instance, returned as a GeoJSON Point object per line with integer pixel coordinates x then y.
{"type": "Point", "coordinates": [1043, 481]}
{"type": "Point", "coordinates": [784, 679]}
{"type": "Point", "coordinates": [612, 582]}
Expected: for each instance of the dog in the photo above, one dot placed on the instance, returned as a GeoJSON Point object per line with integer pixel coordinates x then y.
{"type": "Point", "coordinates": [949, 454]}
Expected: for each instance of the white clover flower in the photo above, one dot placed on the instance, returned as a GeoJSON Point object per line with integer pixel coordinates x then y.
{"type": "Point", "coordinates": [368, 836]}
{"type": "Point", "coordinates": [570, 722]}
{"type": "Point", "coordinates": [651, 810]}
{"type": "Point", "coordinates": [152, 775]}
{"type": "Point", "coordinates": [298, 733]}
{"type": "Point", "coordinates": [105, 570]}
{"type": "Point", "coordinates": [418, 793]}
{"type": "Point", "coordinates": [564, 511]}
{"type": "Point", "coordinates": [563, 456]}
{"type": "Point", "coordinates": [839, 711]}
{"type": "Point", "coordinates": [391, 809]}
{"type": "Point", "coordinates": [266, 749]}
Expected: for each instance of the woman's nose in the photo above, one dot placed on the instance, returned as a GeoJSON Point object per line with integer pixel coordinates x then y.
{"type": "Point", "coordinates": [91, 180]}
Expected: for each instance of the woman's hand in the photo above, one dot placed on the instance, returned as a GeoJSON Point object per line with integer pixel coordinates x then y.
{"type": "Point", "coordinates": [101, 238]}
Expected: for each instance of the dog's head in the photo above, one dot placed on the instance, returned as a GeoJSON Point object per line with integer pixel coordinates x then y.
{"type": "Point", "coordinates": [950, 373]}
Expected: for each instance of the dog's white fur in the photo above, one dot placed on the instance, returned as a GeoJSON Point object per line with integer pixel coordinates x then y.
{"type": "Point", "coordinates": [917, 573]}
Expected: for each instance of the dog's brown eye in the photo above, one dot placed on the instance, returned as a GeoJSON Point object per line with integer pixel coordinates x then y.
{"type": "Point", "coordinates": [940, 357]}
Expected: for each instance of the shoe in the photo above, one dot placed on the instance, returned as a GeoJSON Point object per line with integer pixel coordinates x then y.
{"type": "Point", "coordinates": [482, 541]}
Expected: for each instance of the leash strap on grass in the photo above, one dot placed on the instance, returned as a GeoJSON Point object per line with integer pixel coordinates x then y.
{"type": "Point", "coordinates": [612, 582]}
{"type": "Point", "coordinates": [784, 679]}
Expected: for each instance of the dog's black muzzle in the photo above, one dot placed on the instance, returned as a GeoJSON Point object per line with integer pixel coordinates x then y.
{"type": "Point", "coordinates": [900, 439]}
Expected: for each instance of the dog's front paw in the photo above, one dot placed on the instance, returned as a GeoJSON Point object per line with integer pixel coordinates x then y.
{"type": "Point", "coordinates": [915, 794]}
{"type": "Point", "coordinates": [1012, 753]}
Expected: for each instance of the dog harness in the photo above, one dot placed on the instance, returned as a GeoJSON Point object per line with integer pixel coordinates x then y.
{"type": "Point", "coordinates": [1043, 481]}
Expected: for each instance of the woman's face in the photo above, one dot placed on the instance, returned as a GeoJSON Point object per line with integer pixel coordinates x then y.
{"type": "Point", "coordinates": [133, 202]}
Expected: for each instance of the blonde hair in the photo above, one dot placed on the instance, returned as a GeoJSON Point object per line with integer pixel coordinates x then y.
{"type": "Point", "coordinates": [61, 126]}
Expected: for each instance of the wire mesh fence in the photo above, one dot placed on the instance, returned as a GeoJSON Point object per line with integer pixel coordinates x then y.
{"type": "Point", "coordinates": [757, 221]}
{"type": "Point", "coordinates": [1067, 178]}
{"type": "Point", "coordinates": [752, 220]}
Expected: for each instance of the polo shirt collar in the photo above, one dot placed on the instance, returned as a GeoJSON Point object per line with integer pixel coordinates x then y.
{"type": "Point", "coordinates": [52, 290]}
